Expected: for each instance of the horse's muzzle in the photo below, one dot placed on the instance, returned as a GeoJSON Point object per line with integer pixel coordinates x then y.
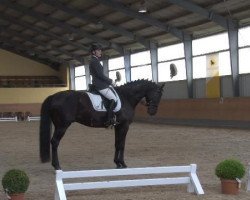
{"type": "Point", "coordinates": [152, 110]}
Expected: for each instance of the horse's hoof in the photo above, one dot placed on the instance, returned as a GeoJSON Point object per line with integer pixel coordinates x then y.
{"type": "Point", "coordinates": [121, 166]}
{"type": "Point", "coordinates": [56, 167]}
{"type": "Point", "coordinates": [124, 165]}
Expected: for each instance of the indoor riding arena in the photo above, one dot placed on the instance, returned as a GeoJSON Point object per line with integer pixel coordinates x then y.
{"type": "Point", "coordinates": [195, 53]}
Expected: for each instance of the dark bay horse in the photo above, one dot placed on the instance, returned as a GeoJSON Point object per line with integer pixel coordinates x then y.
{"type": "Point", "coordinates": [64, 108]}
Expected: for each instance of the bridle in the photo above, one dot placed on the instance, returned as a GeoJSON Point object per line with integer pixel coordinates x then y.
{"type": "Point", "coordinates": [151, 103]}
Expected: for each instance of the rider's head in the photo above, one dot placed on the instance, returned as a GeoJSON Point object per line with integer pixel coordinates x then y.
{"type": "Point", "coordinates": [96, 50]}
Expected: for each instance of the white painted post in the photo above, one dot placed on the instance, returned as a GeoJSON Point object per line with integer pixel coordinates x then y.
{"type": "Point", "coordinates": [248, 178]}
{"type": "Point", "coordinates": [195, 181]}
{"type": "Point", "coordinates": [190, 186]}
{"type": "Point", "coordinates": [60, 191]}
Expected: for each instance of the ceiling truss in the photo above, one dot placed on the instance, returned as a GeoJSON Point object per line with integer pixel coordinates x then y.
{"type": "Point", "coordinates": [60, 31]}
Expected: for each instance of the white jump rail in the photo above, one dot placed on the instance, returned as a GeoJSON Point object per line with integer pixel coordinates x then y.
{"type": "Point", "coordinates": [8, 119]}
{"type": "Point", "coordinates": [192, 181]}
{"type": "Point", "coordinates": [33, 118]}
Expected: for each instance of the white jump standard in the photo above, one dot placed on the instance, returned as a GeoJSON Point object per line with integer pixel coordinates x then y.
{"type": "Point", "coordinates": [192, 181]}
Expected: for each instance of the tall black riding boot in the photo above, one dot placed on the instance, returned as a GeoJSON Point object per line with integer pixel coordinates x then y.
{"type": "Point", "coordinates": [110, 115]}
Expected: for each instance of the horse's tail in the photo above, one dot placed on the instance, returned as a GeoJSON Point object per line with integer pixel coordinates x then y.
{"type": "Point", "coordinates": [45, 130]}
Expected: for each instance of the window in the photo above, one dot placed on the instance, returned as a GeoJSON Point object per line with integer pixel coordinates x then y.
{"type": "Point", "coordinates": [112, 75]}
{"type": "Point", "coordinates": [79, 71]}
{"type": "Point", "coordinates": [171, 52]}
{"type": "Point", "coordinates": [117, 64]}
{"type": "Point", "coordinates": [141, 58]}
{"type": "Point", "coordinates": [244, 38]}
{"type": "Point", "coordinates": [164, 71]}
{"type": "Point", "coordinates": [142, 72]}
{"type": "Point", "coordinates": [200, 65]}
{"type": "Point", "coordinates": [244, 60]}
{"type": "Point", "coordinates": [210, 44]}
{"type": "Point", "coordinates": [141, 66]}
{"type": "Point", "coordinates": [80, 78]}
{"type": "Point", "coordinates": [80, 83]}
{"type": "Point", "coordinates": [224, 64]}
{"type": "Point", "coordinates": [244, 52]}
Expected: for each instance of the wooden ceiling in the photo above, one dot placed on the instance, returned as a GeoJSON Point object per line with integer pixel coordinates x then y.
{"type": "Point", "coordinates": [56, 32]}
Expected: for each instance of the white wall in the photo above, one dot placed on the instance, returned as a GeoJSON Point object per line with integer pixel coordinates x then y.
{"type": "Point", "coordinates": [178, 89]}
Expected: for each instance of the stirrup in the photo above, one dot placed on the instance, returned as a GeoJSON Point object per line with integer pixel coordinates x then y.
{"type": "Point", "coordinates": [112, 122]}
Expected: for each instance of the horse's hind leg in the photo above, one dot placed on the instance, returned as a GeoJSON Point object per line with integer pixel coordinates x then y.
{"type": "Point", "coordinates": [55, 140]}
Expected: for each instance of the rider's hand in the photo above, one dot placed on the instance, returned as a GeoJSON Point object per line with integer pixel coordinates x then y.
{"type": "Point", "coordinates": [114, 83]}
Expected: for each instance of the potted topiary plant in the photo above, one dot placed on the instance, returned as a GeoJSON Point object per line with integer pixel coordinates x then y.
{"type": "Point", "coordinates": [230, 171]}
{"type": "Point", "coordinates": [15, 183]}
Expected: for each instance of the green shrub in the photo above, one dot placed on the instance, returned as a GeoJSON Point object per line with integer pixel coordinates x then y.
{"type": "Point", "coordinates": [15, 181]}
{"type": "Point", "coordinates": [230, 169]}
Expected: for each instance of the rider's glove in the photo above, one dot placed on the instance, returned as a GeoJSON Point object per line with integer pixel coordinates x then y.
{"type": "Point", "coordinates": [113, 83]}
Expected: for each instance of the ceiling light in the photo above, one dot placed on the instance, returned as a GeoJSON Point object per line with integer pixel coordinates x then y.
{"type": "Point", "coordinates": [142, 8]}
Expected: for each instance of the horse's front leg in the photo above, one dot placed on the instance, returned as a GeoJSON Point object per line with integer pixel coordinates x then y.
{"type": "Point", "coordinates": [120, 138]}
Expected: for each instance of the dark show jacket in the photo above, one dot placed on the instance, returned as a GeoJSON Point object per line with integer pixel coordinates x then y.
{"type": "Point", "coordinates": [99, 80]}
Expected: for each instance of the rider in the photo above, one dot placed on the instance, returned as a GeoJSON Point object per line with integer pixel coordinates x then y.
{"type": "Point", "coordinates": [102, 83]}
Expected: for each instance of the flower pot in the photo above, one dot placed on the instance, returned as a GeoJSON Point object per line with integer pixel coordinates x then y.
{"type": "Point", "coordinates": [229, 186]}
{"type": "Point", "coordinates": [17, 196]}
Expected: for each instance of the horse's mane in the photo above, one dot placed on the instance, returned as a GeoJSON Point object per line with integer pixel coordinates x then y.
{"type": "Point", "coordinates": [143, 82]}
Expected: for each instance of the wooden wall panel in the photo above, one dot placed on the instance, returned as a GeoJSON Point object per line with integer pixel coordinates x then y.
{"type": "Point", "coordinates": [237, 109]}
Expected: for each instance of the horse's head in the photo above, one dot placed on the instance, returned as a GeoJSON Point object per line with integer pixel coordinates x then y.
{"type": "Point", "coordinates": [153, 98]}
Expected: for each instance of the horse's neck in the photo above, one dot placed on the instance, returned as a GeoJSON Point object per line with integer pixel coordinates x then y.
{"type": "Point", "coordinates": [134, 95]}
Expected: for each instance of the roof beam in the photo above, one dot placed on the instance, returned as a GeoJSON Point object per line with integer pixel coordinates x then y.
{"type": "Point", "coordinates": [147, 19]}
{"type": "Point", "coordinates": [91, 18]}
{"type": "Point", "coordinates": [209, 14]}
{"type": "Point", "coordinates": [63, 25]}
{"type": "Point", "coordinates": [40, 31]}
{"type": "Point", "coordinates": [37, 42]}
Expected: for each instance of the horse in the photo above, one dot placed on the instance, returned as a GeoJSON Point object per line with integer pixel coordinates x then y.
{"type": "Point", "coordinates": [65, 107]}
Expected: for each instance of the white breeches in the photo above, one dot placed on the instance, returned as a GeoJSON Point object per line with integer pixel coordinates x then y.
{"type": "Point", "coordinates": [109, 93]}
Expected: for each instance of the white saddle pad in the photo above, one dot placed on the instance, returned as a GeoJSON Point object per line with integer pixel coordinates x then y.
{"type": "Point", "coordinates": [98, 104]}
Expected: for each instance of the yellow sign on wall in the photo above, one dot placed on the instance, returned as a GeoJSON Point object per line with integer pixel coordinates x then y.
{"type": "Point", "coordinates": [213, 76]}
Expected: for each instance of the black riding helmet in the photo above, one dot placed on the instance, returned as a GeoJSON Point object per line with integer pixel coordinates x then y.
{"type": "Point", "coordinates": [94, 47]}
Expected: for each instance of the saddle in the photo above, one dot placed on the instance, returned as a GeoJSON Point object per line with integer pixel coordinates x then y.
{"type": "Point", "coordinates": [100, 102]}
{"type": "Point", "coordinates": [92, 89]}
